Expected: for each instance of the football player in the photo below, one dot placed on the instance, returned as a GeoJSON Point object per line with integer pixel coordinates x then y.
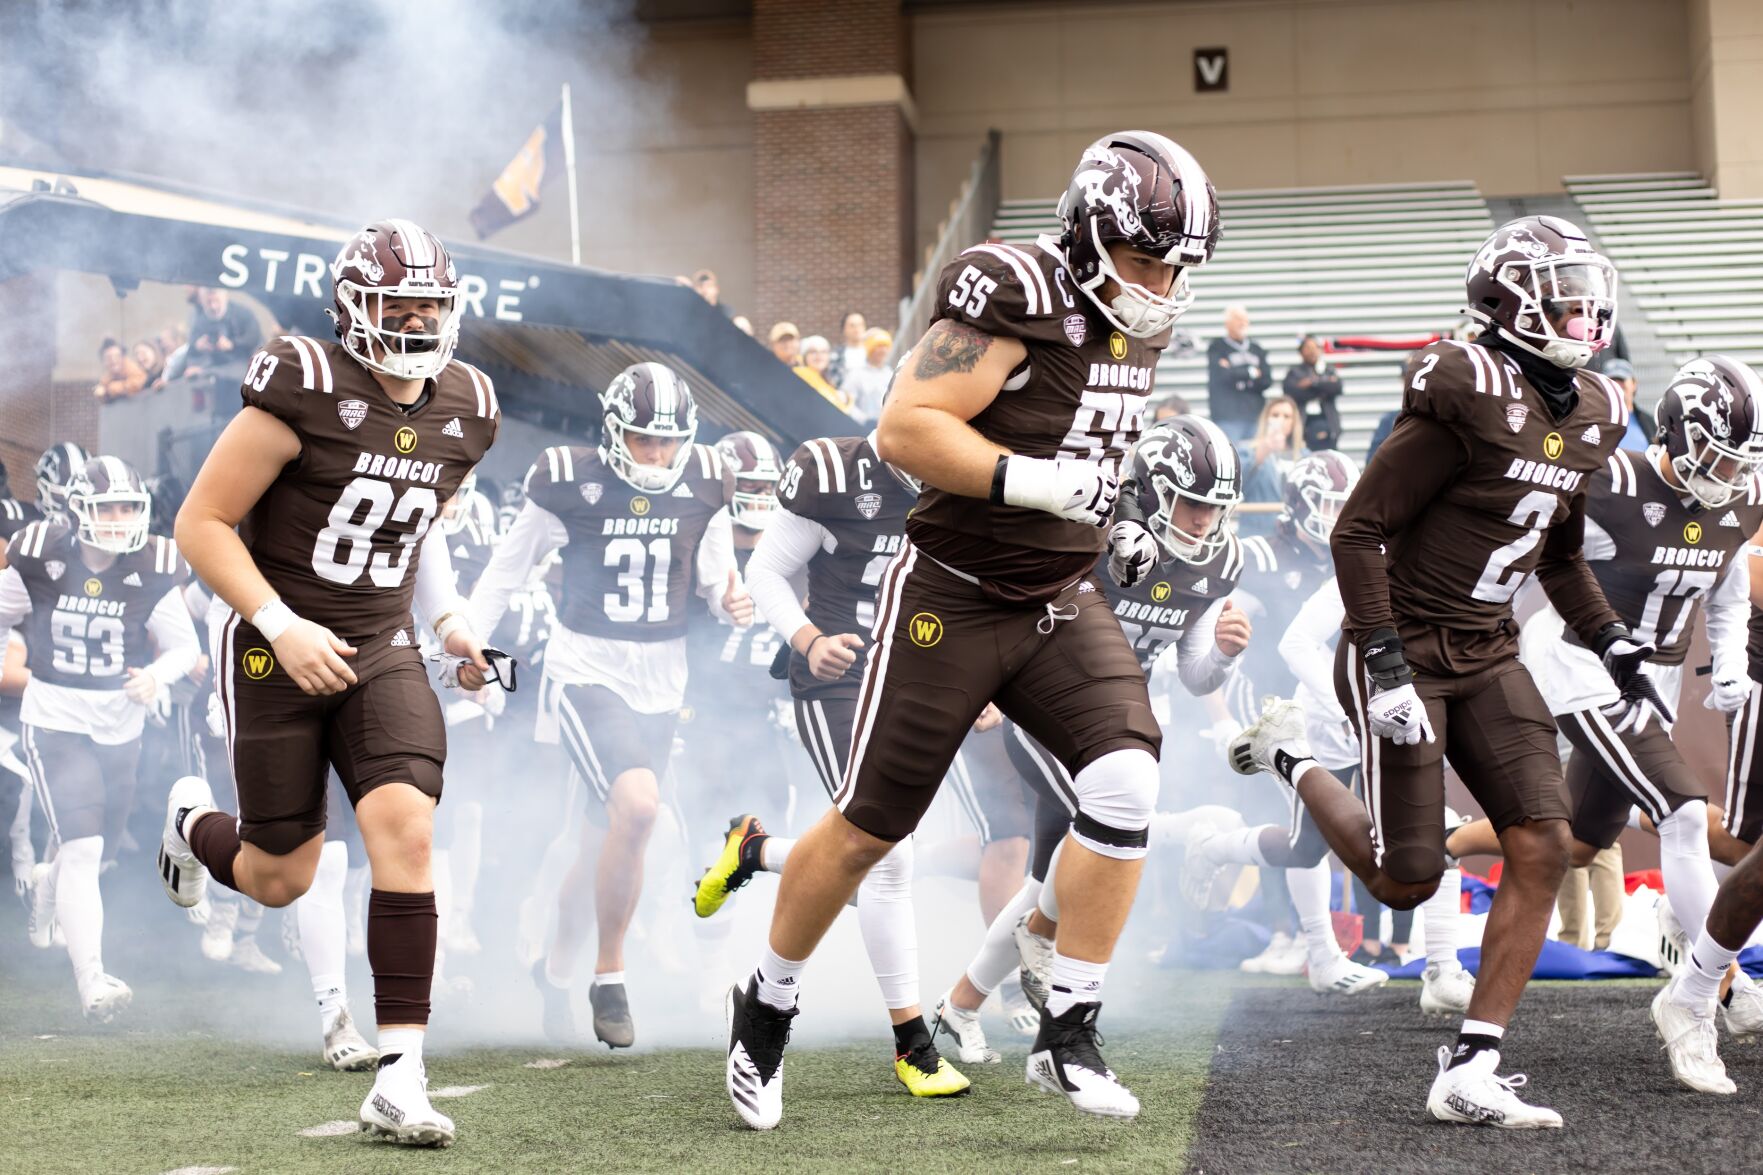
{"type": "Point", "coordinates": [1015, 408]}
{"type": "Point", "coordinates": [1482, 481]}
{"type": "Point", "coordinates": [106, 630]}
{"type": "Point", "coordinates": [333, 471]}
{"type": "Point", "coordinates": [14, 514]}
{"type": "Point", "coordinates": [841, 516]}
{"type": "Point", "coordinates": [643, 525]}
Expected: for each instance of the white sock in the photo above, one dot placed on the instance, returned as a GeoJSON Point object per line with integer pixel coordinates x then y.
{"type": "Point", "coordinates": [250, 918]}
{"type": "Point", "coordinates": [1698, 984]}
{"type": "Point", "coordinates": [318, 915]}
{"type": "Point", "coordinates": [1310, 890]}
{"type": "Point", "coordinates": [889, 926]}
{"type": "Point", "coordinates": [355, 887]}
{"type": "Point", "coordinates": [1242, 847]}
{"type": "Point", "coordinates": [468, 851]}
{"type": "Point", "coordinates": [1049, 896]}
{"type": "Point", "coordinates": [774, 852]}
{"type": "Point", "coordinates": [997, 959]}
{"type": "Point", "coordinates": [609, 979]}
{"type": "Point", "coordinates": [778, 978]}
{"type": "Point", "coordinates": [1073, 981]}
{"type": "Point", "coordinates": [404, 1043]}
{"type": "Point", "coordinates": [1684, 864]}
{"type": "Point", "coordinates": [1439, 916]}
{"type": "Point", "coordinates": [79, 908]}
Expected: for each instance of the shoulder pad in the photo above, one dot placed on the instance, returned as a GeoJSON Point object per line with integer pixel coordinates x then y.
{"type": "Point", "coordinates": [818, 472]}
{"type": "Point", "coordinates": [1593, 382]}
{"type": "Point", "coordinates": [1007, 291]}
{"type": "Point", "coordinates": [167, 559]}
{"type": "Point", "coordinates": [1443, 379]}
{"type": "Point", "coordinates": [1621, 476]}
{"type": "Point", "coordinates": [27, 543]}
{"type": "Point", "coordinates": [483, 391]}
{"type": "Point", "coordinates": [1257, 554]}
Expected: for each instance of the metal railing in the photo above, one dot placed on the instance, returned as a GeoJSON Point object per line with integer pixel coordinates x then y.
{"type": "Point", "coordinates": [969, 222]}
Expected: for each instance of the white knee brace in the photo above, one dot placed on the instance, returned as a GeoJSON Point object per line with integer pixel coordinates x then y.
{"type": "Point", "coordinates": [1115, 798]}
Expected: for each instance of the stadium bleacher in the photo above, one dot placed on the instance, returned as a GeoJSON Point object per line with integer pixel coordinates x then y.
{"type": "Point", "coordinates": [1381, 261]}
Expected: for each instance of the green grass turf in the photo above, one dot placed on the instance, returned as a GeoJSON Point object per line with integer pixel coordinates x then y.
{"type": "Point", "coordinates": [154, 1100]}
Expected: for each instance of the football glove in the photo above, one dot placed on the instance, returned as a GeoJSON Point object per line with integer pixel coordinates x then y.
{"type": "Point", "coordinates": [1077, 491]}
{"type": "Point", "coordinates": [1132, 552]}
{"type": "Point", "coordinates": [1624, 660]}
{"type": "Point", "coordinates": [1395, 710]}
{"type": "Point", "coordinates": [502, 668]}
{"type": "Point", "coordinates": [1728, 692]}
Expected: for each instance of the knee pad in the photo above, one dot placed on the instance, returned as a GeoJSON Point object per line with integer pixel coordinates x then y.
{"type": "Point", "coordinates": [890, 879]}
{"type": "Point", "coordinates": [82, 853]}
{"type": "Point", "coordinates": [1685, 831]}
{"type": "Point", "coordinates": [1115, 798]}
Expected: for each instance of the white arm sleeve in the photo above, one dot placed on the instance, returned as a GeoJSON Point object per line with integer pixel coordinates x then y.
{"type": "Point", "coordinates": [15, 599]}
{"type": "Point", "coordinates": [533, 534]}
{"type": "Point", "coordinates": [1199, 662]}
{"type": "Point", "coordinates": [437, 584]}
{"type": "Point", "coordinates": [1729, 611]}
{"type": "Point", "coordinates": [783, 551]}
{"type": "Point", "coordinates": [174, 635]}
{"type": "Point", "coordinates": [716, 558]}
{"type": "Point", "coordinates": [1305, 644]}
{"type": "Point", "coordinates": [197, 599]}
{"type": "Point", "coordinates": [1597, 543]}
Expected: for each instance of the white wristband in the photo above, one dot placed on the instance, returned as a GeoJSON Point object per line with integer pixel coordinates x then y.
{"type": "Point", "coordinates": [273, 619]}
{"type": "Point", "coordinates": [449, 624]}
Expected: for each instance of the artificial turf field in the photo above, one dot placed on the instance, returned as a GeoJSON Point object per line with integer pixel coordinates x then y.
{"type": "Point", "coordinates": [1237, 1074]}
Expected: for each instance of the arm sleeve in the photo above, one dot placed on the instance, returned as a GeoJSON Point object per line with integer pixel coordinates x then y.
{"type": "Point", "coordinates": [1199, 662]}
{"type": "Point", "coordinates": [1729, 612]}
{"type": "Point", "coordinates": [1304, 646]}
{"type": "Point", "coordinates": [196, 598]}
{"type": "Point", "coordinates": [174, 634]}
{"type": "Point", "coordinates": [1597, 543]}
{"type": "Point", "coordinates": [437, 584]}
{"type": "Point", "coordinates": [783, 551]}
{"type": "Point", "coordinates": [534, 532]}
{"type": "Point", "coordinates": [1411, 468]}
{"type": "Point", "coordinates": [716, 558]}
{"type": "Point", "coordinates": [15, 599]}
{"type": "Point", "coordinates": [1568, 580]}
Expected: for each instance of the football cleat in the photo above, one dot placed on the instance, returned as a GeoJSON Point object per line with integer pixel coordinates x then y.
{"type": "Point", "coordinates": [1743, 1009]}
{"type": "Point", "coordinates": [1280, 727]}
{"type": "Point", "coordinates": [925, 1073]}
{"type": "Point", "coordinates": [1445, 993]}
{"type": "Point", "coordinates": [1037, 963]}
{"type": "Point", "coordinates": [1474, 1094]}
{"type": "Point", "coordinates": [41, 927]}
{"type": "Point", "coordinates": [1691, 1043]}
{"type": "Point", "coordinates": [1283, 955]}
{"type": "Point", "coordinates": [1024, 1017]}
{"type": "Point", "coordinates": [1674, 944]}
{"type": "Point", "coordinates": [106, 999]}
{"type": "Point", "coordinates": [217, 932]}
{"type": "Point", "coordinates": [397, 1107]}
{"type": "Point", "coordinates": [1066, 1059]}
{"type": "Point", "coordinates": [248, 956]}
{"type": "Point", "coordinates": [1207, 878]}
{"type": "Point", "coordinates": [559, 1017]}
{"type": "Point", "coordinates": [345, 1049]}
{"type": "Point", "coordinates": [1342, 976]}
{"type": "Point", "coordinates": [965, 1028]}
{"type": "Point", "coordinates": [754, 1075]}
{"type": "Point", "coordinates": [734, 866]}
{"type": "Point", "coordinates": [612, 1015]}
{"type": "Point", "coordinates": [183, 876]}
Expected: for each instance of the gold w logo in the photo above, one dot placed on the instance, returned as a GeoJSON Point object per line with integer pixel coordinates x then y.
{"type": "Point", "coordinates": [926, 630]}
{"type": "Point", "coordinates": [258, 664]}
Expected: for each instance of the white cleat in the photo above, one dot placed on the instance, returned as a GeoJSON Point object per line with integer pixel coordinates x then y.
{"type": "Point", "coordinates": [1283, 955]}
{"type": "Point", "coordinates": [41, 927]}
{"type": "Point", "coordinates": [345, 1049]}
{"type": "Point", "coordinates": [1066, 1059]}
{"type": "Point", "coordinates": [461, 939]}
{"type": "Point", "coordinates": [398, 1109]}
{"type": "Point", "coordinates": [217, 932]}
{"type": "Point", "coordinates": [248, 956]}
{"type": "Point", "coordinates": [1207, 878]}
{"type": "Point", "coordinates": [1674, 944]}
{"type": "Point", "coordinates": [106, 999]}
{"type": "Point", "coordinates": [1280, 727]}
{"type": "Point", "coordinates": [754, 1074]}
{"type": "Point", "coordinates": [1473, 1093]}
{"type": "Point", "coordinates": [1342, 976]}
{"type": "Point", "coordinates": [968, 1032]}
{"type": "Point", "coordinates": [1743, 1011]}
{"type": "Point", "coordinates": [183, 876]}
{"type": "Point", "coordinates": [1691, 1042]}
{"type": "Point", "coordinates": [1037, 964]}
{"type": "Point", "coordinates": [1022, 1015]}
{"type": "Point", "coordinates": [1445, 992]}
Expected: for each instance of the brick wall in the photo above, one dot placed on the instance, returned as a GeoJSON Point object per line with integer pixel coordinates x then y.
{"type": "Point", "coordinates": [828, 38]}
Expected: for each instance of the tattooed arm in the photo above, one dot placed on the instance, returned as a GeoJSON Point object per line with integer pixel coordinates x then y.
{"type": "Point", "coordinates": [953, 374]}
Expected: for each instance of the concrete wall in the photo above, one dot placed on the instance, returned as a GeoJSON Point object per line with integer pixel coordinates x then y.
{"type": "Point", "coordinates": [1726, 39]}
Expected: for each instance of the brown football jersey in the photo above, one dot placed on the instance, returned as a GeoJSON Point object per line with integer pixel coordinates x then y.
{"type": "Point", "coordinates": [87, 628]}
{"type": "Point", "coordinates": [1080, 393]}
{"type": "Point", "coordinates": [1444, 527]}
{"type": "Point", "coordinates": [629, 564]}
{"type": "Point", "coordinates": [1754, 643]}
{"type": "Point", "coordinates": [1667, 556]}
{"type": "Point", "coordinates": [15, 516]}
{"type": "Point", "coordinates": [860, 502]}
{"type": "Point", "coordinates": [1156, 612]}
{"type": "Point", "coordinates": [338, 533]}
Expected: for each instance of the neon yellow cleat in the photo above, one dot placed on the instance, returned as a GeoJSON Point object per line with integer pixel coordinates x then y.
{"type": "Point", "coordinates": [925, 1073]}
{"type": "Point", "coordinates": [734, 866]}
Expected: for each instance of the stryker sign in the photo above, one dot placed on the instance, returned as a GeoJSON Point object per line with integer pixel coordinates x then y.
{"type": "Point", "coordinates": [277, 271]}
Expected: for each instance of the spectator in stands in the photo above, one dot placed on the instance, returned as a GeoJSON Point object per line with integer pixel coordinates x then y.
{"type": "Point", "coordinates": [151, 360]}
{"type": "Point", "coordinates": [1237, 376]}
{"type": "Point", "coordinates": [869, 383]}
{"type": "Point", "coordinates": [816, 354]}
{"type": "Point", "coordinates": [786, 343]}
{"type": "Point", "coordinates": [1640, 421]}
{"type": "Point", "coordinates": [709, 289]}
{"type": "Point", "coordinates": [172, 339]}
{"type": "Point", "coordinates": [1381, 433]}
{"type": "Point", "coordinates": [743, 324]}
{"type": "Point", "coordinates": [223, 334]}
{"type": "Point", "coordinates": [120, 375]}
{"type": "Point", "coordinates": [1315, 386]}
{"type": "Point", "coordinates": [1265, 460]}
{"type": "Point", "coordinates": [1166, 406]}
{"type": "Point", "coordinates": [851, 355]}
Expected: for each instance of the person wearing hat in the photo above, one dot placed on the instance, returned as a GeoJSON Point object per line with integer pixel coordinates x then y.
{"type": "Point", "coordinates": [786, 343]}
{"type": "Point", "coordinates": [867, 383]}
{"type": "Point", "coordinates": [816, 354]}
{"type": "Point", "coordinates": [1640, 421]}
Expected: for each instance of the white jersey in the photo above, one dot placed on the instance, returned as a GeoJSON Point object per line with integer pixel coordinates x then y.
{"type": "Point", "coordinates": [1308, 649]}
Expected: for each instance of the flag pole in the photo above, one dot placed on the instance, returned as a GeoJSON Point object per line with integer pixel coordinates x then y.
{"type": "Point", "coordinates": [575, 222]}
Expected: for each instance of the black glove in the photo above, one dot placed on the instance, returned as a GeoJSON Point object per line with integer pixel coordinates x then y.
{"type": "Point", "coordinates": [1624, 656]}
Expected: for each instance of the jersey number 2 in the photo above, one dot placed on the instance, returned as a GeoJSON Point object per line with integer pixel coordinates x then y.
{"type": "Point", "coordinates": [1533, 513]}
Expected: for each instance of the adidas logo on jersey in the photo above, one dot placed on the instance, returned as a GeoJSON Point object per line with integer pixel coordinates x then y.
{"type": "Point", "coordinates": [452, 429]}
{"type": "Point", "coordinates": [134, 577]}
{"type": "Point", "coordinates": [402, 640]}
{"type": "Point", "coordinates": [1085, 586]}
{"type": "Point", "coordinates": [682, 490]}
{"type": "Point", "coordinates": [1200, 587]}
{"type": "Point", "coordinates": [1591, 435]}
{"type": "Point", "coordinates": [1730, 519]}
